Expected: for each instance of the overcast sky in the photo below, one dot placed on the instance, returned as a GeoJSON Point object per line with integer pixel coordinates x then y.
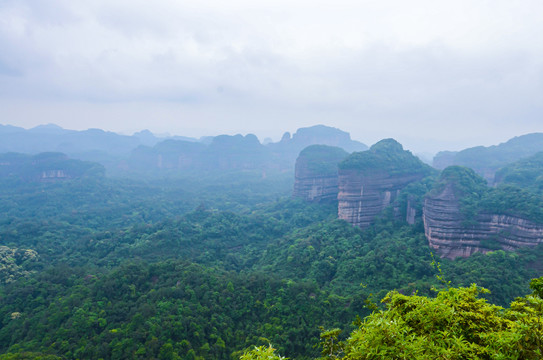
{"type": "Point", "coordinates": [431, 74]}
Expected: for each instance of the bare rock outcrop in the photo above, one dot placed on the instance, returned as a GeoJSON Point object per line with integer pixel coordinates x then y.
{"type": "Point", "coordinates": [452, 235]}
{"type": "Point", "coordinates": [363, 196]}
{"type": "Point", "coordinates": [316, 173]}
{"type": "Point", "coordinates": [372, 180]}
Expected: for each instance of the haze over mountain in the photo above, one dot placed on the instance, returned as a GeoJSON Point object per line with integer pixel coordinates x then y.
{"type": "Point", "coordinates": [236, 249]}
{"type": "Point", "coordinates": [182, 203]}
{"type": "Point", "coordinates": [432, 75]}
{"type": "Point", "coordinates": [146, 153]}
{"type": "Point", "coordinates": [487, 160]}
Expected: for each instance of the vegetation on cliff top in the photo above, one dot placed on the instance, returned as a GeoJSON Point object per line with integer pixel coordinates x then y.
{"type": "Point", "coordinates": [322, 159]}
{"type": "Point", "coordinates": [476, 197]}
{"type": "Point", "coordinates": [465, 182]}
{"type": "Point", "coordinates": [386, 155]}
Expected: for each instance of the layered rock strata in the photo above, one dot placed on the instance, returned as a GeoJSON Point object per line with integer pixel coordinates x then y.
{"type": "Point", "coordinates": [316, 173]}
{"type": "Point", "coordinates": [371, 181]}
{"type": "Point", "coordinates": [364, 195]}
{"type": "Point", "coordinates": [448, 233]}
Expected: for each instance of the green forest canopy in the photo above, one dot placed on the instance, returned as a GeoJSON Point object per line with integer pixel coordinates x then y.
{"type": "Point", "coordinates": [456, 324]}
{"type": "Point", "coordinates": [205, 268]}
{"type": "Point", "coordinates": [386, 155]}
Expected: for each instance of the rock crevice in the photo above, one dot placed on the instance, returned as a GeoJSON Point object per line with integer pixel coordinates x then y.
{"type": "Point", "coordinates": [364, 195]}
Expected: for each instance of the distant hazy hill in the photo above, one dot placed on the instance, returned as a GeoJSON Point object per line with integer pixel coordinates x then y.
{"type": "Point", "coordinates": [237, 152]}
{"type": "Point", "coordinates": [223, 153]}
{"type": "Point", "coordinates": [46, 138]}
{"type": "Point", "coordinates": [146, 153]}
{"type": "Point", "coordinates": [290, 146]}
{"type": "Point", "coordinates": [526, 173]}
{"type": "Point", "coordinates": [45, 167]}
{"type": "Point", "coordinates": [487, 160]}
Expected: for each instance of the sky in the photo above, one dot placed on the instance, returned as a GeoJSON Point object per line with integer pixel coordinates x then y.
{"type": "Point", "coordinates": [433, 74]}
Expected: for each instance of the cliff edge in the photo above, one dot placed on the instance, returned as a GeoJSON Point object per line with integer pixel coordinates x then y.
{"type": "Point", "coordinates": [457, 223]}
{"type": "Point", "coordinates": [316, 173]}
{"type": "Point", "coordinates": [370, 181]}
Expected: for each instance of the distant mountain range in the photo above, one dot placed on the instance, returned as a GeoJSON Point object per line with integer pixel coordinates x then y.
{"type": "Point", "coordinates": [45, 167]}
{"type": "Point", "coordinates": [487, 160]}
{"type": "Point", "coordinates": [146, 153]}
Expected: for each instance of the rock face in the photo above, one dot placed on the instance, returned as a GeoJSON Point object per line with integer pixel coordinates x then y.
{"type": "Point", "coordinates": [316, 173]}
{"type": "Point", "coordinates": [371, 181]}
{"type": "Point", "coordinates": [410, 212]}
{"type": "Point", "coordinates": [54, 174]}
{"type": "Point", "coordinates": [363, 196]}
{"type": "Point", "coordinates": [447, 233]}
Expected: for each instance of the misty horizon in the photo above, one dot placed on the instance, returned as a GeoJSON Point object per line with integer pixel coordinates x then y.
{"type": "Point", "coordinates": [434, 76]}
{"type": "Point", "coordinates": [427, 152]}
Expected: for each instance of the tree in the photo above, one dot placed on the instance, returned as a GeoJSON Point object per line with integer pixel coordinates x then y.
{"type": "Point", "coordinates": [456, 324]}
{"type": "Point", "coordinates": [261, 353]}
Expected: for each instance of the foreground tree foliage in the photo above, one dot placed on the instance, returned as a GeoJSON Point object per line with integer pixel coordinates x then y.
{"type": "Point", "coordinates": [261, 353]}
{"type": "Point", "coordinates": [456, 324]}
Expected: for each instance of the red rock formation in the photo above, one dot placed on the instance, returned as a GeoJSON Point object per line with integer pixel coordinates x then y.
{"type": "Point", "coordinates": [371, 181]}
{"type": "Point", "coordinates": [316, 176]}
{"type": "Point", "coordinates": [364, 195]}
{"type": "Point", "coordinates": [448, 233]}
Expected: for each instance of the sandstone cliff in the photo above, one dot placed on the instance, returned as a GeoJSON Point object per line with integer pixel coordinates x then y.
{"type": "Point", "coordinates": [316, 173]}
{"type": "Point", "coordinates": [452, 234]}
{"type": "Point", "coordinates": [370, 181]}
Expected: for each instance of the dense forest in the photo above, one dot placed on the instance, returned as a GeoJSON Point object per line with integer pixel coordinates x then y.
{"type": "Point", "coordinates": [104, 268]}
{"type": "Point", "coordinates": [219, 265]}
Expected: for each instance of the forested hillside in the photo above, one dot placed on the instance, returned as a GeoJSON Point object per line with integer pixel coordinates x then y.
{"type": "Point", "coordinates": [207, 265]}
{"type": "Point", "coordinates": [125, 269]}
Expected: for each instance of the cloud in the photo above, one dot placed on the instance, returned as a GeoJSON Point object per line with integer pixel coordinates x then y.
{"type": "Point", "coordinates": [370, 67]}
